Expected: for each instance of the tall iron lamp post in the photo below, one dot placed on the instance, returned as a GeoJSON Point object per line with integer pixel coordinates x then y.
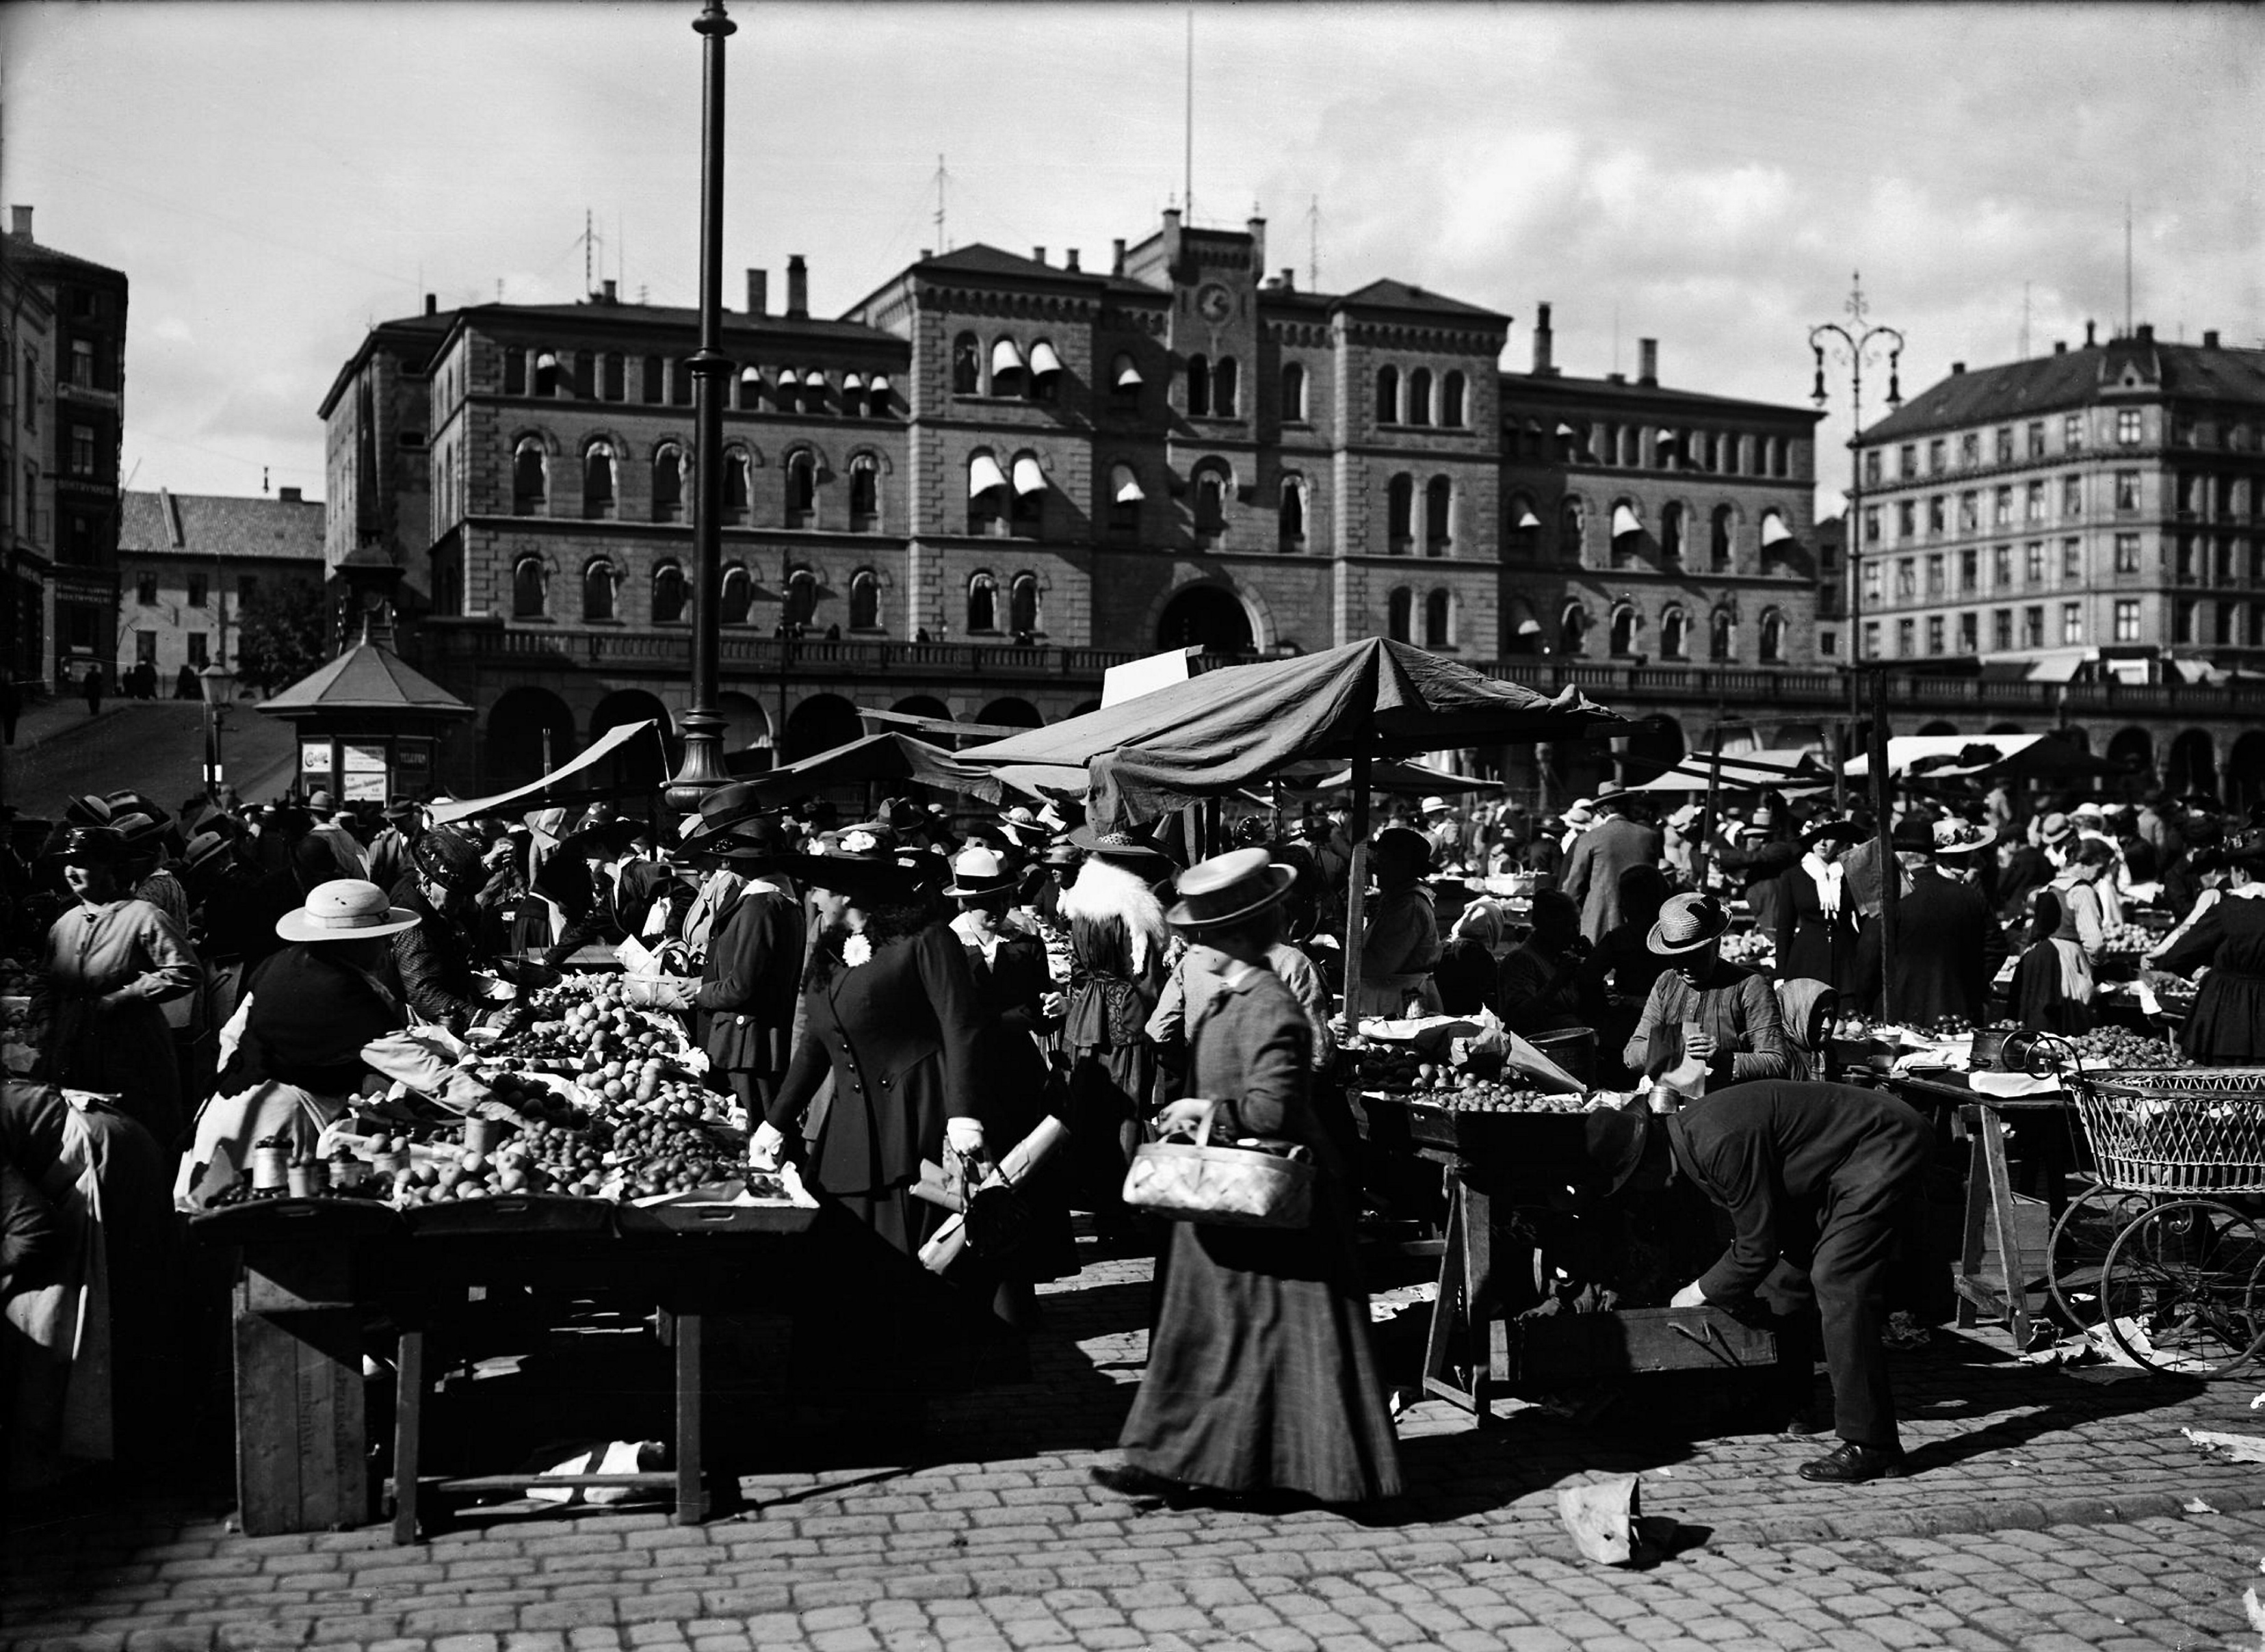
{"type": "Point", "coordinates": [702, 767]}
{"type": "Point", "coordinates": [217, 684]}
{"type": "Point", "coordinates": [1853, 345]}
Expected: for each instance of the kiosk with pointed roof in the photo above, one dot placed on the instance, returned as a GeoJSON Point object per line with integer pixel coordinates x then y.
{"type": "Point", "coordinates": [369, 725]}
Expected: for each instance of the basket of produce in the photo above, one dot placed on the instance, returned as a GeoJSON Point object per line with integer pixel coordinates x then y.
{"type": "Point", "coordinates": [1527, 1130]}
{"type": "Point", "coordinates": [2196, 1131]}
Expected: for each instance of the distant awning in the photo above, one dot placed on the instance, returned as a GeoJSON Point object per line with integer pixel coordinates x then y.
{"type": "Point", "coordinates": [1566, 433]}
{"type": "Point", "coordinates": [1624, 522]}
{"type": "Point", "coordinates": [813, 378]}
{"type": "Point", "coordinates": [1125, 487]}
{"type": "Point", "coordinates": [983, 475]}
{"type": "Point", "coordinates": [1126, 374]}
{"type": "Point", "coordinates": [1774, 531]}
{"type": "Point", "coordinates": [786, 376]}
{"type": "Point", "coordinates": [1043, 358]}
{"type": "Point", "coordinates": [853, 382]}
{"type": "Point", "coordinates": [604, 747]}
{"type": "Point", "coordinates": [1527, 521]}
{"type": "Point", "coordinates": [751, 375]}
{"type": "Point", "coordinates": [1005, 358]}
{"type": "Point", "coordinates": [880, 384]}
{"type": "Point", "coordinates": [1028, 477]}
{"type": "Point", "coordinates": [1529, 627]}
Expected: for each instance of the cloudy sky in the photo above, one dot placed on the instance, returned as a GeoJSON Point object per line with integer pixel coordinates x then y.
{"type": "Point", "coordinates": [275, 177]}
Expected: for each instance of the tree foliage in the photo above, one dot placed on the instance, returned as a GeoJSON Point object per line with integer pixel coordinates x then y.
{"type": "Point", "coordinates": [286, 635]}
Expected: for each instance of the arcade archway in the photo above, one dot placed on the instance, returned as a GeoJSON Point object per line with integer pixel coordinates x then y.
{"type": "Point", "coordinates": [1205, 616]}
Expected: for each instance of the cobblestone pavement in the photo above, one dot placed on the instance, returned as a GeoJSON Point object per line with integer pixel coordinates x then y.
{"type": "Point", "coordinates": [2053, 1510]}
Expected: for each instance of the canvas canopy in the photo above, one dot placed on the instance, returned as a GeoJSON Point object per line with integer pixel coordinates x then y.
{"type": "Point", "coordinates": [2016, 754]}
{"type": "Point", "coordinates": [887, 756]}
{"type": "Point", "coordinates": [600, 749]}
{"type": "Point", "coordinates": [1239, 724]}
{"type": "Point", "coordinates": [1414, 780]}
{"type": "Point", "coordinates": [1785, 769]}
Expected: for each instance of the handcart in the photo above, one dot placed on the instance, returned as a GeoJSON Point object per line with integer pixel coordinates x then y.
{"type": "Point", "coordinates": [2165, 1248]}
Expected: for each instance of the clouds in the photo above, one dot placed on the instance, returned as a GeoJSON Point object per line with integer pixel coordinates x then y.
{"type": "Point", "coordinates": [282, 175]}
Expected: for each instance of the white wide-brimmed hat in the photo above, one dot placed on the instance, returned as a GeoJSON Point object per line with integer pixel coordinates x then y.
{"type": "Point", "coordinates": [345, 909]}
{"type": "Point", "coordinates": [978, 870]}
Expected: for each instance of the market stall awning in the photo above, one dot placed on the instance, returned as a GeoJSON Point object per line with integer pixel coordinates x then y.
{"type": "Point", "coordinates": [1960, 756]}
{"type": "Point", "coordinates": [887, 756]}
{"type": "Point", "coordinates": [1029, 478]}
{"type": "Point", "coordinates": [1398, 777]}
{"type": "Point", "coordinates": [1005, 358]}
{"type": "Point", "coordinates": [1043, 359]}
{"type": "Point", "coordinates": [1240, 724]}
{"type": "Point", "coordinates": [604, 747]}
{"type": "Point", "coordinates": [1770, 769]}
{"type": "Point", "coordinates": [983, 475]}
{"type": "Point", "coordinates": [367, 677]}
{"type": "Point", "coordinates": [1624, 522]}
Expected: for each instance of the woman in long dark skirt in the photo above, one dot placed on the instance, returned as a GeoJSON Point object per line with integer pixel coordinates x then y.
{"type": "Point", "coordinates": [2227, 1024]}
{"type": "Point", "coordinates": [1116, 932]}
{"type": "Point", "coordinates": [1260, 1376]}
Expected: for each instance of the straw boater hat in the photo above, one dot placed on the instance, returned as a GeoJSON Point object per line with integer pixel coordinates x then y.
{"type": "Point", "coordinates": [2054, 829]}
{"type": "Point", "coordinates": [1580, 812]}
{"type": "Point", "coordinates": [345, 909]}
{"type": "Point", "coordinates": [1228, 888]}
{"type": "Point", "coordinates": [977, 871]}
{"type": "Point", "coordinates": [1137, 852]}
{"type": "Point", "coordinates": [1687, 923]}
{"type": "Point", "coordinates": [1061, 852]}
{"type": "Point", "coordinates": [1437, 805]}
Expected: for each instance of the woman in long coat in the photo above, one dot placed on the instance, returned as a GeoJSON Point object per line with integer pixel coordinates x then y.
{"type": "Point", "coordinates": [1259, 1375]}
{"type": "Point", "coordinates": [890, 1013]}
{"type": "Point", "coordinates": [111, 964]}
{"type": "Point", "coordinates": [1818, 920]}
{"type": "Point", "coordinates": [2227, 1024]}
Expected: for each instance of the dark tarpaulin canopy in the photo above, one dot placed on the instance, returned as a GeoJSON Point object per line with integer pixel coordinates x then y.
{"type": "Point", "coordinates": [890, 757]}
{"type": "Point", "coordinates": [1396, 776]}
{"type": "Point", "coordinates": [1241, 723]}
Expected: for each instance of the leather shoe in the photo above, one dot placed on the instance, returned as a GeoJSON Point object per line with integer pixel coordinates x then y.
{"type": "Point", "coordinates": [1853, 1465]}
{"type": "Point", "coordinates": [1128, 1481]}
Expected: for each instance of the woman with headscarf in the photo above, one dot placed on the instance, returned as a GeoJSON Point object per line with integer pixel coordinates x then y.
{"type": "Point", "coordinates": [2052, 985]}
{"type": "Point", "coordinates": [1470, 965]}
{"type": "Point", "coordinates": [1808, 1008]}
{"type": "Point", "coordinates": [111, 964]}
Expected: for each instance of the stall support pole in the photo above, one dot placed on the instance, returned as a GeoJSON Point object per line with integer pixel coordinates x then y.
{"type": "Point", "coordinates": [1891, 874]}
{"type": "Point", "coordinates": [1709, 820]}
{"type": "Point", "coordinates": [1356, 888]}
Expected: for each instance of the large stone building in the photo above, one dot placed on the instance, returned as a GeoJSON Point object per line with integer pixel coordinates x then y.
{"type": "Point", "coordinates": [27, 413]}
{"type": "Point", "coordinates": [2098, 510]}
{"type": "Point", "coordinates": [996, 475]}
{"type": "Point", "coordinates": [63, 473]}
{"type": "Point", "coordinates": [188, 564]}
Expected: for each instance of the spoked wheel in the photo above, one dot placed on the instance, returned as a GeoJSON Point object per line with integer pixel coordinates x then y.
{"type": "Point", "coordinates": [2179, 1289]}
{"type": "Point", "coordinates": [2080, 1239]}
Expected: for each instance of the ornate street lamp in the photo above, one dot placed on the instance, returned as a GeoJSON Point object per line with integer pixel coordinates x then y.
{"type": "Point", "coordinates": [217, 684]}
{"type": "Point", "coordinates": [702, 767]}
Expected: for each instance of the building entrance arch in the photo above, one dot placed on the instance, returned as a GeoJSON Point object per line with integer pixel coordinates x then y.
{"type": "Point", "coordinates": [1205, 616]}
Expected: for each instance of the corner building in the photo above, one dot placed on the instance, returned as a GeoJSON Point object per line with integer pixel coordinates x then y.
{"type": "Point", "coordinates": [990, 480]}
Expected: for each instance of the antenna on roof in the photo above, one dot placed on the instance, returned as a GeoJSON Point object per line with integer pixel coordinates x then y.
{"type": "Point", "coordinates": [1187, 137]}
{"type": "Point", "coordinates": [1314, 245]}
{"type": "Point", "coordinates": [263, 478]}
{"type": "Point", "coordinates": [943, 235]}
{"type": "Point", "coordinates": [2127, 266]}
{"type": "Point", "coordinates": [2024, 353]}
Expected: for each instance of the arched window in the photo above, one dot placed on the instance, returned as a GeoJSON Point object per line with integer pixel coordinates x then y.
{"type": "Point", "coordinates": [1622, 641]}
{"type": "Point", "coordinates": [801, 597]}
{"type": "Point", "coordinates": [546, 373]}
{"type": "Point", "coordinates": [1607, 444]}
{"type": "Point", "coordinates": [982, 604]}
{"type": "Point", "coordinates": [1719, 536]}
{"type": "Point", "coordinates": [736, 463]}
{"type": "Point", "coordinates": [986, 494]}
{"type": "Point", "coordinates": [598, 591]}
{"type": "Point", "coordinates": [813, 391]}
{"type": "Point", "coordinates": [1439, 619]}
{"type": "Point", "coordinates": [1210, 502]}
{"type": "Point", "coordinates": [1521, 632]}
{"type": "Point", "coordinates": [1419, 396]}
{"type": "Point", "coordinates": [1778, 456]}
{"type": "Point", "coordinates": [652, 383]}
{"type": "Point", "coordinates": [668, 485]}
{"type": "Point", "coordinates": [1631, 440]}
{"type": "Point", "coordinates": [529, 589]}
{"type": "Point", "coordinates": [1023, 605]}
{"type": "Point", "coordinates": [864, 600]}
{"type": "Point", "coordinates": [1675, 635]}
{"type": "Point", "coordinates": [1524, 527]}
{"type": "Point", "coordinates": [801, 488]}
{"type": "Point", "coordinates": [1294, 393]}
{"type": "Point", "coordinates": [1670, 531]}
{"type": "Point", "coordinates": [613, 380]}
{"type": "Point", "coordinates": [1125, 381]}
{"type": "Point", "coordinates": [1722, 635]}
{"type": "Point", "coordinates": [1772, 637]}
{"type": "Point", "coordinates": [1451, 401]}
{"type": "Point", "coordinates": [1439, 517]}
{"type": "Point", "coordinates": [1198, 387]}
{"type": "Point", "coordinates": [751, 390]}
{"type": "Point", "coordinates": [966, 364]}
{"type": "Point", "coordinates": [1026, 507]}
{"type": "Point", "coordinates": [1046, 372]}
{"type": "Point", "coordinates": [1008, 371]}
{"type": "Point", "coordinates": [738, 596]}
{"type": "Point", "coordinates": [1289, 520]}
{"type": "Point", "coordinates": [880, 400]}
{"type": "Point", "coordinates": [1569, 525]}
{"type": "Point", "coordinates": [668, 593]}
{"type": "Point", "coordinates": [1573, 629]}
{"type": "Point", "coordinates": [1399, 514]}
{"type": "Point", "coordinates": [1124, 497]}
{"type": "Point", "coordinates": [598, 479]}
{"type": "Point", "coordinates": [864, 494]}
{"type": "Point", "coordinates": [1388, 396]}
{"type": "Point", "coordinates": [1224, 383]}
{"type": "Point", "coordinates": [530, 478]}
{"type": "Point", "coordinates": [1400, 615]}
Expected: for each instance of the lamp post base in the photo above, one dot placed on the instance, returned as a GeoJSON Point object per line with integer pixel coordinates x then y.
{"type": "Point", "coordinates": [703, 769]}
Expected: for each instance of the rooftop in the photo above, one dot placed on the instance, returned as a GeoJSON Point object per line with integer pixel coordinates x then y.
{"type": "Point", "coordinates": [2075, 378]}
{"type": "Point", "coordinates": [367, 677]}
{"type": "Point", "coordinates": [1558, 391]}
{"type": "Point", "coordinates": [218, 527]}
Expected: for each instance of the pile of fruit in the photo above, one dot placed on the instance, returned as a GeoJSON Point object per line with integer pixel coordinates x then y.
{"type": "Point", "coordinates": [2121, 1047]}
{"type": "Point", "coordinates": [1478, 1096]}
{"type": "Point", "coordinates": [2127, 937]}
{"type": "Point", "coordinates": [1752, 948]}
{"type": "Point", "coordinates": [1392, 1068]}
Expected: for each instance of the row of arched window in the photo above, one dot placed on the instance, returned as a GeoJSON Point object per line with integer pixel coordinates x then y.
{"type": "Point", "coordinates": [1625, 533]}
{"type": "Point", "coordinates": [669, 484]}
{"type": "Point", "coordinates": [1005, 370]}
{"type": "Point", "coordinates": [1440, 617]}
{"type": "Point", "coordinates": [1415, 398]}
{"type": "Point", "coordinates": [1402, 527]}
{"type": "Point", "coordinates": [596, 375]}
{"type": "Point", "coordinates": [600, 584]}
{"type": "Point", "coordinates": [1652, 447]}
{"type": "Point", "coordinates": [1624, 629]}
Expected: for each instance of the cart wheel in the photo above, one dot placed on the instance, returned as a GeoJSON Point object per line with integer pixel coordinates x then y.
{"type": "Point", "coordinates": [2178, 1289]}
{"type": "Point", "coordinates": [2080, 1239]}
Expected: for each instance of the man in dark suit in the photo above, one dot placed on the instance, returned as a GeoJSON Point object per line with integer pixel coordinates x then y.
{"type": "Point", "coordinates": [1948, 943]}
{"type": "Point", "coordinates": [1819, 1181]}
{"type": "Point", "coordinates": [1606, 850]}
{"type": "Point", "coordinates": [752, 976]}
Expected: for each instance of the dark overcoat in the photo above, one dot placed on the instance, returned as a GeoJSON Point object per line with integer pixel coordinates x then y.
{"type": "Point", "coordinates": [747, 985]}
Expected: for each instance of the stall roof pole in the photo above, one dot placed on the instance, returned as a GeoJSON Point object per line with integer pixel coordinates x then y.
{"type": "Point", "coordinates": [1357, 887]}
{"type": "Point", "coordinates": [1709, 820]}
{"type": "Point", "coordinates": [1891, 874]}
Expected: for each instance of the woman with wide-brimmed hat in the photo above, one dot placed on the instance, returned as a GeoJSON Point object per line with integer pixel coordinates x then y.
{"type": "Point", "coordinates": [1703, 1007]}
{"type": "Point", "coordinates": [111, 964]}
{"type": "Point", "coordinates": [890, 1013]}
{"type": "Point", "coordinates": [1259, 1375]}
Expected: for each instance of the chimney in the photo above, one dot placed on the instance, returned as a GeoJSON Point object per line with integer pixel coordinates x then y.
{"type": "Point", "coordinates": [759, 291]}
{"type": "Point", "coordinates": [1289, 279]}
{"type": "Point", "coordinates": [1544, 342]}
{"type": "Point", "coordinates": [288, 495]}
{"type": "Point", "coordinates": [798, 288]}
{"type": "Point", "coordinates": [927, 253]}
{"type": "Point", "coordinates": [1648, 360]}
{"type": "Point", "coordinates": [2091, 337]}
{"type": "Point", "coordinates": [611, 293]}
{"type": "Point", "coordinates": [431, 304]}
{"type": "Point", "coordinates": [1258, 227]}
{"type": "Point", "coordinates": [1069, 260]}
{"type": "Point", "coordinates": [1038, 255]}
{"type": "Point", "coordinates": [2209, 339]}
{"type": "Point", "coordinates": [20, 222]}
{"type": "Point", "coordinates": [2146, 332]}
{"type": "Point", "coordinates": [1116, 256]}
{"type": "Point", "coordinates": [1957, 367]}
{"type": "Point", "coordinates": [2060, 347]}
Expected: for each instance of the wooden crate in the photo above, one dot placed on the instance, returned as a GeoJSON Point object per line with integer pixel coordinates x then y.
{"type": "Point", "coordinates": [1553, 1352]}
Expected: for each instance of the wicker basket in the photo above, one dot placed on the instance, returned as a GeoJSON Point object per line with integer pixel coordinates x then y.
{"type": "Point", "coordinates": [2190, 1130]}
